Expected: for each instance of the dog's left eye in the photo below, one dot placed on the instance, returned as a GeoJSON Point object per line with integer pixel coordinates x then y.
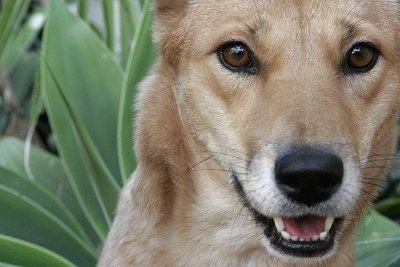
{"type": "Point", "coordinates": [361, 58]}
{"type": "Point", "coordinates": [237, 57]}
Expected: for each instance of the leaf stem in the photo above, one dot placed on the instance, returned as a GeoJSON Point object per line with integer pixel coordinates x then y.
{"type": "Point", "coordinates": [83, 9]}
{"type": "Point", "coordinates": [108, 13]}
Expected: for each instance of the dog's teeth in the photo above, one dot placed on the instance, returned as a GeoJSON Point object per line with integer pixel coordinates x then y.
{"type": "Point", "coordinates": [329, 223]}
{"type": "Point", "coordinates": [323, 235]}
{"type": "Point", "coordinates": [279, 224]}
{"type": "Point", "coordinates": [285, 235]}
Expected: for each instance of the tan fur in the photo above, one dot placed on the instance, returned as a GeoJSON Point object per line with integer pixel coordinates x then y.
{"type": "Point", "coordinates": [196, 119]}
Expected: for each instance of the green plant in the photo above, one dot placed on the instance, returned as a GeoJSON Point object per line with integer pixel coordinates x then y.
{"type": "Point", "coordinates": [59, 208]}
{"type": "Point", "coordinates": [18, 63]}
{"type": "Point", "coordinates": [378, 242]}
{"type": "Point", "coordinates": [388, 202]}
{"type": "Point", "coordinates": [55, 210]}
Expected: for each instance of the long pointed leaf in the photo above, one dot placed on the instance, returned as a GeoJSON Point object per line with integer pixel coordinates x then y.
{"type": "Point", "coordinates": [129, 14]}
{"type": "Point", "coordinates": [105, 187]}
{"type": "Point", "coordinates": [89, 75]}
{"type": "Point", "coordinates": [46, 170]}
{"type": "Point", "coordinates": [41, 227]}
{"type": "Point", "coordinates": [11, 16]}
{"type": "Point", "coordinates": [82, 82]}
{"type": "Point", "coordinates": [108, 14]}
{"type": "Point", "coordinates": [41, 196]}
{"type": "Point", "coordinates": [18, 46]}
{"type": "Point", "coordinates": [18, 252]}
{"type": "Point", "coordinates": [378, 242]}
{"type": "Point", "coordinates": [3, 264]}
{"type": "Point", "coordinates": [142, 54]}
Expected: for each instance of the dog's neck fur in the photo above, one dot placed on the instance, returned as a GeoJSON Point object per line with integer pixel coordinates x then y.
{"type": "Point", "coordinates": [224, 233]}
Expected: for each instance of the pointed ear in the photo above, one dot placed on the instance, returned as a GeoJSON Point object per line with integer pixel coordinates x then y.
{"type": "Point", "coordinates": [168, 31]}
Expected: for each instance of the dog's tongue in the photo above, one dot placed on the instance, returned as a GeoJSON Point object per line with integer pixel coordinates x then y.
{"type": "Point", "coordinates": [304, 227]}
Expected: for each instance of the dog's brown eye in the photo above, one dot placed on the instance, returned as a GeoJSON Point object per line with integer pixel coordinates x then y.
{"type": "Point", "coordinates": [237, 57]}
{"type": "Point", "coordinates": [361, 58]}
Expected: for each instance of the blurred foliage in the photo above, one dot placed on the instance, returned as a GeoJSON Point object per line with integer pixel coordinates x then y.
{"type": "Point", "coordinates": [388, 202]}
{"type": "Point", "coordinates": [57, 208]}
{"type": "Point", "coordinates": [19, 63]}
{"type": "Point", "coordinates": [378, 242]}
{"type": "Point", "coordinates": [67, 86]}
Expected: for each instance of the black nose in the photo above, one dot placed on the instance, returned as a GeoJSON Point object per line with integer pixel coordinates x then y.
{"type": "Point", "coordinates": [309, 176]}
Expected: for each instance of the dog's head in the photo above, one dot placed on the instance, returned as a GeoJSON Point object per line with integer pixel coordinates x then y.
{"type": "Point", "coordinates": [297, 99]}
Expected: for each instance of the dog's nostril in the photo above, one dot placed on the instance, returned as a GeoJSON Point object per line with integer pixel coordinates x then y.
{"type": "Point", "coordinates": [309, 176]}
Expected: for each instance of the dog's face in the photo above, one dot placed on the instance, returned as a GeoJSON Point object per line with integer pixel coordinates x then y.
{"type": "Point", "coordinates": [298, 100]}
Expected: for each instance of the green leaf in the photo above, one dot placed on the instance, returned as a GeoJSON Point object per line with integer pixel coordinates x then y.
{"type": "Point", "coordinates": [18, 66]}
{"type": "Point", "coordinates": [376, 226]}
{"type": "Point", "coordinates": [389, 207]}
{"type": "Point", "coordinates": [142, 55]}
{"type": "Point", "coordinates": [2, 264]}
{"type": "Point", "coordinates": [378, 242]}
{"type": "Point", "coordinates": [46, 170]}
{"type": "Point", "coordinates": [24, 76]}
{"type": "Point", "coordinates": [378, 253]}
{"type": "Point", "coordinates": [17, 47]}
{"type": "Point", "coordinates": [84, 9]}
{"type": "Point", "coordinates": [12, 13]}
{"type": "Point", "coordinates": [130, 12]}
{"type": "Point", "coordinates": [42, 197]}
{"type": "Point", "coordinates": [15, 252]}
{"type": "Point", "coordinates": [41, 227]}
{"type": "Point", "coordinates": [108, 14]}
{"type": "Point", "coordinates": [82, 84]}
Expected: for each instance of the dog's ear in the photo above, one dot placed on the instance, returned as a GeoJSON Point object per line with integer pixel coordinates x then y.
{"type": "Point", "coordinates": [168, 31]}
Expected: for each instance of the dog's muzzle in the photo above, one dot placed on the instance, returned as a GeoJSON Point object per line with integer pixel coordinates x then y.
{"type": "Point", "coordinates": [307, 177]}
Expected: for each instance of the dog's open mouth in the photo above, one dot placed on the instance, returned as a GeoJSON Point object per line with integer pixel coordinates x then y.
{"type": "Point", "coordinates": [304, 229]}
{"type": "Point", "coordinates": [303, 236]}
{"type": "Point", "coordinates": [306, 236]}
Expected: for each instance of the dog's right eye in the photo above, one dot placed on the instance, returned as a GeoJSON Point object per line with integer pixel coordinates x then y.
{"type": "Point", "coordinates": [361, 58]}
{"type": "Point", "coordinates": [237, 57]}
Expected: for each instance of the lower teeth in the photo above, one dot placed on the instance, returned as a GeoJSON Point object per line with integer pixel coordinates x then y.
{"type": "Point", "coordinates": [322, 236]}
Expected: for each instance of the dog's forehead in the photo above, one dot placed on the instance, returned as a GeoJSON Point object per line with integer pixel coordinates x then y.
{"type": "Point", "coordinates": [275, 7]}
{"type": "Point", "coordinates": [259, 15]}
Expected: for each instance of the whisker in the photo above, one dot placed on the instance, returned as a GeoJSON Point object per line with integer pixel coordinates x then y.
{"type": "Point", "coordinates": [191, 168]}
{"type": "Point", "coordinates": [223, 154]}
{"type": "Point", "coordinates": [222, 170]}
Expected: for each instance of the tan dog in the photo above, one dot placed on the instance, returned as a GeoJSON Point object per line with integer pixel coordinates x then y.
{"type": "Point", "coordinates": [262, 133]}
